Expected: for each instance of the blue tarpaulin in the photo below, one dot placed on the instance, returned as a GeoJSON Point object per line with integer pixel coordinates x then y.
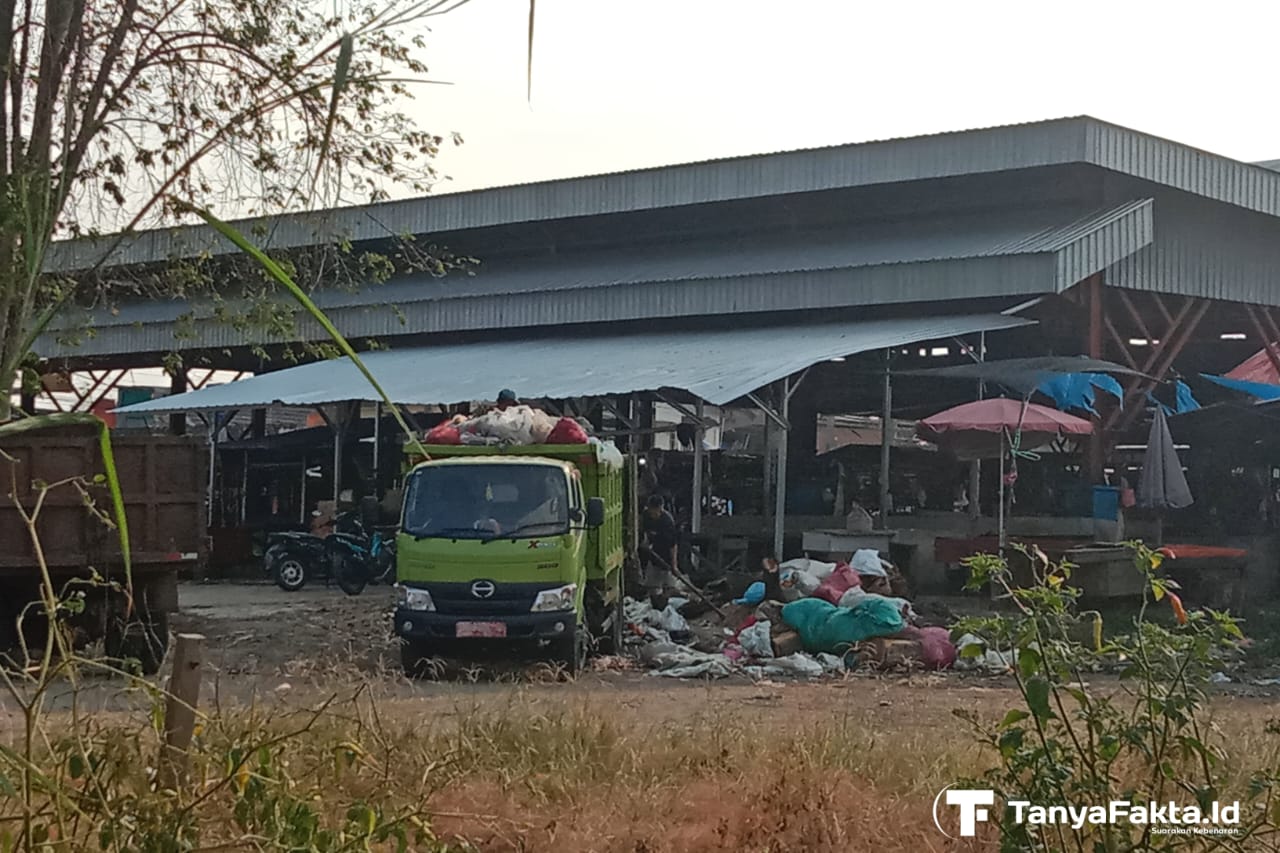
{"type": "Point", "coordinates": [1260, 390]}
{"type": "Point", "coordinates": [1184, 401]}
{"type": "Point", "coordinates": [1076, 390]}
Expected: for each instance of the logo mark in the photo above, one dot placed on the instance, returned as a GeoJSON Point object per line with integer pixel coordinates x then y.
{"type": "Point", "coordinates": [483, 589]}
{"type": "Point", "coordinates": [969, 803]}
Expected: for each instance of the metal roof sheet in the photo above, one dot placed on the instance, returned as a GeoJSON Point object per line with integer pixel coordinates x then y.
{"type": "Point", "coordinates": [1005, 253]}
{"type": "Point", "coordinates": [717, 366]}
{"type": "Point", "coordinates": [1081, 139]}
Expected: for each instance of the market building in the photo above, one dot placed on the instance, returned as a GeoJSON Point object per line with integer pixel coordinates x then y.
{"type": "Point", "coordinates": [829, 275]}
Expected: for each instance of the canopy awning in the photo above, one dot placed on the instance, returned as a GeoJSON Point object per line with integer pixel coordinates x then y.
{"type": "Point", "coordinates": [718, 366]}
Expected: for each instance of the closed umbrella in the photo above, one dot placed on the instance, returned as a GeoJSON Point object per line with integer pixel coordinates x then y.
{"type": "Point", "coordinates": [1163, 485]}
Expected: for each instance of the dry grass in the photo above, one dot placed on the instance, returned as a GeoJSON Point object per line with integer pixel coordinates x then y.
{"type": "Point", "coordinates": [637, 766]}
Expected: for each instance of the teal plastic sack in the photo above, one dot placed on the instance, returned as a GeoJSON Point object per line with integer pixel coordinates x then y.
{"type": "Point", "coordinates": [824, 627]}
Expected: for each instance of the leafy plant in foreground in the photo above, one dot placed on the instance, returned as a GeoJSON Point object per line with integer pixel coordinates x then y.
{"type": "Point", "coordinates": [1143, 738]}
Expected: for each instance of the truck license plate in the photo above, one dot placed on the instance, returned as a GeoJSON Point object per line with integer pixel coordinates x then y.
{"type": "Point", "coordinates": [482, 629]}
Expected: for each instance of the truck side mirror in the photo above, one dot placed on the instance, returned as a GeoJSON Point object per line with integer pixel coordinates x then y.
{"type": "Point", "coordinates": [595, 512]}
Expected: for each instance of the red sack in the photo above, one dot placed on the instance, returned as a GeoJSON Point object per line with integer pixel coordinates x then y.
{"type": "Point", "coordinates": [567, 431]}
{"type": "Point", "coordinates": [445, 433]}
{"type": "Point", "coordinates": [837, 584]}
{"type": "Point", "coordinates": [936, 649]}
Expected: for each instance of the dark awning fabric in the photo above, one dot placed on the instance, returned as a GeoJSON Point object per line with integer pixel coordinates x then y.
{"type": "Point", "coordinates": [1024, 375]}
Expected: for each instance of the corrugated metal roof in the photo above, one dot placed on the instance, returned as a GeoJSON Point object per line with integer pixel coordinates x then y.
{"type": "Point", "coordinates": [718, 366]}
{"type": "Point", "coordinates": [1059, 141]}
{"type": "Point", "coordinates": [1000, 254]}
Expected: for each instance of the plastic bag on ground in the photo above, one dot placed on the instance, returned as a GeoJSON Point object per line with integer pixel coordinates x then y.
{"type": "Point", "coordinates": [818, 569]}
{"type": "Point", "coordinates": [796, 665]}
{"type": "Point", "coordinates": [796, 583]}
{"type": "Point", "coordinates": [753, 596]}
{"type": "Point", "coordinates": [757, 640]}
{"type": "Point", "coordinates": [982, 658]}
{"type": "Point", "coordinates": [831, 663]}
{"type": "Point", "coordinates": [867, 562]}
{"type": "Point", "coordinates": [857, 594]}
{"type": "Point", "coordinates": [686, 663]}
{"type": "Point", "coordinates": [671, 621]}
{"type": "Point", "coordinates": [824, 627]}
{"type": "Point", "coordinates": [836, 584]}
{"type": "Point", "coordinates": [567, 431]}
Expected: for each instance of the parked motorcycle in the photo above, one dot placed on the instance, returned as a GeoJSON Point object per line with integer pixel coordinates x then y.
{"type": "Point", "coordinates": [357, 558]}
{"type": "Point", "coordinates": [294, 558]}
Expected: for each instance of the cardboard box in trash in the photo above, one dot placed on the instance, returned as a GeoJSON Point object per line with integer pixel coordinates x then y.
{"type": "Point", "coordinates": [786, 643]}
{"type": "Point", "coordinates": [890, 653]}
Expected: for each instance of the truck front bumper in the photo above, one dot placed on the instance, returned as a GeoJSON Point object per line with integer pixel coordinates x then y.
{"type": "Point", "coordinates": [426, 625]}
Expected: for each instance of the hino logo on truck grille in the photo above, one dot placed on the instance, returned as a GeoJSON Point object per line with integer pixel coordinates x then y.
{"type": "Point", "coordinates": [483, 589]}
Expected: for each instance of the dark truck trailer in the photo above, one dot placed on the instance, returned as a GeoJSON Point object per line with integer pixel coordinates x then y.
{"type": "Point", "coordinates": [162, 479]}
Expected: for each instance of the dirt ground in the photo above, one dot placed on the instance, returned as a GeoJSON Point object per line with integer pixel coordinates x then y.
{"type": "Point", "coordinates": [264, 641]}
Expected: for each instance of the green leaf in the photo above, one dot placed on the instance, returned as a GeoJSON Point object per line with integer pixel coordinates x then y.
{"type": "Point", "coordinates": [1038, 699]}
{"type": "Point", "coordinates": [1029, 661]}
{"type": "Point", "coordinates": [75, 766]}
{"type": "Point", "coordinates": [973, 650]}
{"type": "Point", "coordinates": [1017, 715]}
{"type": "Point", "coordinates": [341, 77]}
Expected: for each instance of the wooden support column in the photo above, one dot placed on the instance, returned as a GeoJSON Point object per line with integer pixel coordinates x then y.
{"type": "Point", "coordinates": [178, 385]}
{"type": "Point", "coordinates": [1181, 327]}
{"type": "Point", "coordinates": [1096, 454]}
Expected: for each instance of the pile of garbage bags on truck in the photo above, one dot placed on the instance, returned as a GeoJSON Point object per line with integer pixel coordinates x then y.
{"type": "Point", "coordinates": [515, 425]}
{"type": "Point", "coordinates": [805, 618]}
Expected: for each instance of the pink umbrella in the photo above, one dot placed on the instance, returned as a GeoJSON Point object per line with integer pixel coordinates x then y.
{"type": "Point", "coordinates": [980, 430]}
{"type": "Point", "coordinates": [974, 430]}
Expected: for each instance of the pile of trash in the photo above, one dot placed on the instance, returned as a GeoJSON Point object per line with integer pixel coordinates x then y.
{"type": "Point", "coordinates": [806, 618]}
{"type": "Point", "coordinates": [515, 425]}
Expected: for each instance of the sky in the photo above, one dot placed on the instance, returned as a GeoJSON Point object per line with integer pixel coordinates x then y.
{"type": "Point", "coordinates": [619, 85]}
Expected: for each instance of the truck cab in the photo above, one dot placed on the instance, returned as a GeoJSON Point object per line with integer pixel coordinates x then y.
{"type": "Point", "coordinates": [519, 544]}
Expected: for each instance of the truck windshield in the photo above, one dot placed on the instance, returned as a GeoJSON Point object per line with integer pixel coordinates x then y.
{"type": "Point", "coordinates": [486, 502]}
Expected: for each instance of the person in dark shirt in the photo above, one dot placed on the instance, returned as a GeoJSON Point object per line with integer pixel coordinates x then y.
{"type": "Point", "coordinates": [506, 399]}
{"type": "Point", "coordinates": [661, 540]}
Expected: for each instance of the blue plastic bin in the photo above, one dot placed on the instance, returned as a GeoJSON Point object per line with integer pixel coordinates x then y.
{"type": "Point", "coordinates": [1106, 503]}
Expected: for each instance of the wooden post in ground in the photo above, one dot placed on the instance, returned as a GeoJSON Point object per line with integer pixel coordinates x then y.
{"type": "Point", "coordinates": [180, 709]}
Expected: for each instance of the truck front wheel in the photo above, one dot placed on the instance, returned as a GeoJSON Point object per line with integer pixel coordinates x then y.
{"type": "Point", "coordinates": [415, 658]}
{"type": "Point", "coordinates": [572, 651]}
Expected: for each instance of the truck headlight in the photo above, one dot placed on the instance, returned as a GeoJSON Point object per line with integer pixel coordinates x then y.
{"type": "Point", "coordinates": [550, 600]}
{"type": "Point", "coordinates": [411, 598]}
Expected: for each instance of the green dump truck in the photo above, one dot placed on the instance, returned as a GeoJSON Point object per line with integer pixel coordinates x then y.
{"type": "Point", "coordinates": [511, 544]}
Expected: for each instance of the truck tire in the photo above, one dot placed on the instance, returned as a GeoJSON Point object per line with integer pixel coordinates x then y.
{"type": "Point", "coordinates": [290, 573]}
{"type": "Point", "coordinates": [415, 658]}
{"type": "Point", "coordinates": [9, 645]}
{"type": "Point", "coordinates": [607, 621]}
{"type": "Point", "coordinates": [144, 638]}
{"type": "Point", "coordinates": [573, 651]}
